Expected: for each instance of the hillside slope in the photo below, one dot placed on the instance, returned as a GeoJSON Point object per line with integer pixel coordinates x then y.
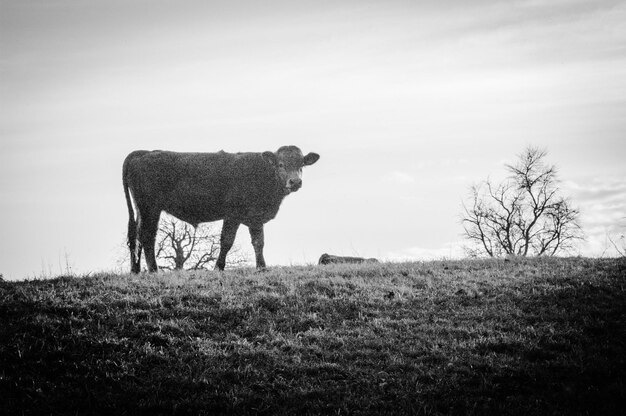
{"type": "Point", "coordinates": [535, 336]}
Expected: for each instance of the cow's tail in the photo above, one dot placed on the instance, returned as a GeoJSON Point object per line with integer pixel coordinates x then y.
{"type": "Point", "coordinates": [132, 223]}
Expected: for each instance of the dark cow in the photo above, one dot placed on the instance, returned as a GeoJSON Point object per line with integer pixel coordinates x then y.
{"type": "Point", "coordinates": [239, 188]}
{"type": "Point", "coordinates": [330, 259]}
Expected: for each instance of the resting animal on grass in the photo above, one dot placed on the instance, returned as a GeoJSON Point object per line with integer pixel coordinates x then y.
{"type": "Point", "coordinates": [329, 259]}
{"type": "Point", "coordinates": [239, 188]}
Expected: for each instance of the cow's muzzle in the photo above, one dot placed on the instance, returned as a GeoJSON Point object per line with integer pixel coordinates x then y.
{"type": "Point", "coordinates": [294, 184]}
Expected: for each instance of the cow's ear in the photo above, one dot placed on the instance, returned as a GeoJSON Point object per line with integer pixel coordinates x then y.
{"type": "Point", "coordinates": [311, 158]}
{"type": "Point", "coordinates": [270, 158]}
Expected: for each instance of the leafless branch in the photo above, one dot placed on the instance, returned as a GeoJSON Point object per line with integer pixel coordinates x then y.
{"type": "Point", "coordinates": [523, 215]}
{"type": "Point", "coordinates": [181, 246]}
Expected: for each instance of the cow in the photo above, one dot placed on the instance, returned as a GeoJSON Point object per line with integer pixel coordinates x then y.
{"type": "Point", "coordinates": [330, 259]}
{"type": "Point", "coordinates": [239, 188]}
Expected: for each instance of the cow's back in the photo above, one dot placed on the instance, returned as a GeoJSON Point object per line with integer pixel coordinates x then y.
{"type": "Point", "coordinates": [203, 187]}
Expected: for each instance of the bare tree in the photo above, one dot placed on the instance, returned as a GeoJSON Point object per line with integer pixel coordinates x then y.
{"type": "Point", "coordinates": [619, 241]}
{"type": "Point", "coordinates": [524, 215]}
{"type": "Point", "coordinates": [181, 246]}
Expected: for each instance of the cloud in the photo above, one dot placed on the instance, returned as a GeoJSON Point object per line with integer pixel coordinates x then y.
{"type": "Point", "coordinates": [602, 204]}
{"type": "Point", "coordinates": [450, 250]}
{"type": "Point", "coordinates": [598, 190]}
{"type": "Point", "coordinates": [399, 177]}
{"type": "Point", "coordinates": [543, 30]}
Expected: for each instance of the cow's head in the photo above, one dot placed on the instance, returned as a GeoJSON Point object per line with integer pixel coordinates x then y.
{"type": "Point", "coordinates": [288, 162]}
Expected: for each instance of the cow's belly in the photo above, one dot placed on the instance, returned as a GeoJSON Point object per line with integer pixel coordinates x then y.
{"type": "Point", "coordinates": [212, 205]}
{"type": "Point", "coordinates": [196, 209]}
{"type": "Point", "coordinates": [194, 218]}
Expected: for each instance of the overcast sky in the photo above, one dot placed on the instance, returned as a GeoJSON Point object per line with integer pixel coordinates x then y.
{"type": "Point", "coordinates": [407, 102]}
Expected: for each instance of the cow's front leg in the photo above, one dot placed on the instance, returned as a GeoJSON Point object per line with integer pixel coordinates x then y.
{"type": "Point", "coordinates": [258, 240]}
{"type": "Point", "coordinates": [229, 232]}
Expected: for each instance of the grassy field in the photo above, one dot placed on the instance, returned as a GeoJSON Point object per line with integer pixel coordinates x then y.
{"type": "Point", "coordinates": [532, 336]}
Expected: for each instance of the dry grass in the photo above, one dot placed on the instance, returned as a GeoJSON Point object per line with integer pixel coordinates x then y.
{"type": "Point", "coordinates": [536, 336]}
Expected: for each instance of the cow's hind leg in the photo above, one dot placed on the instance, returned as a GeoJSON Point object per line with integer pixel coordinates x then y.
{"type": "Point", "coordinates": [229, 232]}
{"type": "Point", "coordinates": [135, 256]}
{"type": "Point", "coordinates": [134, 246]}
{"type": "Point", "coordinates": [147, 235]}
